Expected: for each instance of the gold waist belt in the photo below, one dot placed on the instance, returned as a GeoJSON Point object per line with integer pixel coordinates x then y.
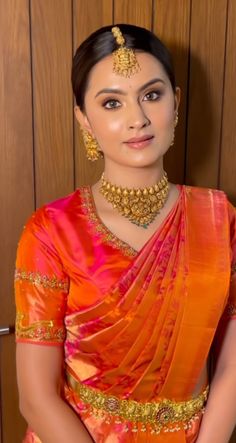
{"type": "Point", "coordinates": [165, 415]}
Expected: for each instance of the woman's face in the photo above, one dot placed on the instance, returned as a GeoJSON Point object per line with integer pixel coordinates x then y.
{"type": "Point", "coordinates": [132, 118]}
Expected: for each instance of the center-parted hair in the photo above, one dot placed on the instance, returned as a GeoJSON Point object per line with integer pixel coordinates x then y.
{"type": "Point", "coordinates": [102, 43]}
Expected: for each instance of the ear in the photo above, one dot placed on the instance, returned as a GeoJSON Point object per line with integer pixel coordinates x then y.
{"type": "Point", "coordinates": [82, 119]}
{"type": "Point", "coordinates": [177, 97]}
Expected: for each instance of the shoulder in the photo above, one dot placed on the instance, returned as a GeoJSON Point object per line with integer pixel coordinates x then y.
{"type": "Point", "coordinates": [53, 221]}
{"type": "Point", "coordinates": [206, 193]}
{"type": "Point", "coordinates": [53, 212]}
{"type": "Point", "coordinates": [215, 194]}
{"type": "Point", "coordinates": [215, 200]}
{"type": "Point", "coordinates": [206, 197]}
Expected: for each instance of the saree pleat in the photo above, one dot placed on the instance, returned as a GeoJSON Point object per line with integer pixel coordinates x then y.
{"type": "Point", "coordinates": [125, 324]}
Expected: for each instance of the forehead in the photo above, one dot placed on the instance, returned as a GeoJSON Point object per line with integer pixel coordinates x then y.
{"type": "Point", "coordinates": [102, 75]}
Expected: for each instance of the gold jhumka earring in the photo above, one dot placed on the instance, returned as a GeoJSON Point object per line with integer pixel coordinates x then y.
{"type": "Point", "coordinates": [175, 124]}
{"type": "Point", "coordinates": [124, 59]}
{"type": "Point", "coordinates": [91, 146]}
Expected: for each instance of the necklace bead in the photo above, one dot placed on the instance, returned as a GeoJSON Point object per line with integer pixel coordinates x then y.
{"type": "Point", "coordinates": [139, 205]}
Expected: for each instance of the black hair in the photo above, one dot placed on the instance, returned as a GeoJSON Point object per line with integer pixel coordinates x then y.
{"type": "Point", "coordinates": [102, 43]}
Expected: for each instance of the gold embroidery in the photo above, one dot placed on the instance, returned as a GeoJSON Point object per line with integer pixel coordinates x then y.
{"type": "Point", "coordinates": [231, 310]}
{"type": "Point", "coordinates": [107, 236]}
{"type": "Point", "coordinates": [166, 415]}
{"type": "Point", "coordinates": [43, 280]}
{"type": "Point", "coordinates": [43, 331]}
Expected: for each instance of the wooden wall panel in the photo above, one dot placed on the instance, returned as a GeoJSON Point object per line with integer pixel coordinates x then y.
{"type": "Point", "coordinates": [207, 45]}
{"type": "Point", "coordinates": [53, 128]}
{"type": "Point", "coordinates": [16, 186]}
{"type": "Point", "coordinates": [171, 23]}
{"type": "Point", "coordinates": [88, 16]}
{"type": "Point", "coordinates": [228, 148]}
{"type": "Point", "coordinates": [136, 12]}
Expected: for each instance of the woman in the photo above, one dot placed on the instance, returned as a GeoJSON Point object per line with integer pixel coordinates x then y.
{"type": "Point", "coordinates": [132, 275]}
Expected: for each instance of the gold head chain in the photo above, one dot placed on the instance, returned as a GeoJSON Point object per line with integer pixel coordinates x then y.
{"type": "Point", "coordinates": [124, 59]}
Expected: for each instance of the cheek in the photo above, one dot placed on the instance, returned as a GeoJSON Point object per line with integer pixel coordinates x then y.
{"type": "Point", "coordinates": [115, 123]}
{"type": "Point", "coordinates": [110, 124]}
{"type": "Point", "coordinates": [164, 118]}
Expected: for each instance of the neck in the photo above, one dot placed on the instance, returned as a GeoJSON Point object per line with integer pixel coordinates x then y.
{"type": "Point", "coordinates": [133, 177]}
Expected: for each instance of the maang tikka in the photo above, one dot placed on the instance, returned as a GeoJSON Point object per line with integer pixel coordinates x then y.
{"type": "Point", "coordinates": [124, 59]}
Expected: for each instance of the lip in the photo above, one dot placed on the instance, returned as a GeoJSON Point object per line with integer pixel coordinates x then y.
{"type": "Point", "coordinates": [139, 142]}
{"type": "Point", "coordinates": [139, 139]}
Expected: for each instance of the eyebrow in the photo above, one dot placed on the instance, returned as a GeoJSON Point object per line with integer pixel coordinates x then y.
{"type": "Point", "coordinates": [120, 91]}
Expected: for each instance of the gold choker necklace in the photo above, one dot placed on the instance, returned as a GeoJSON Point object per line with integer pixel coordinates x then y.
{"type": "Point", "coordinates": [140, 206]}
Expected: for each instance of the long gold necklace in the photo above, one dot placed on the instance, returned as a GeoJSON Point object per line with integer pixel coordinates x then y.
{"type": "Point", "coordinates": [140, 206]}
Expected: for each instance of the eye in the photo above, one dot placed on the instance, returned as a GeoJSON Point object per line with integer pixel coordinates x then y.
{"type": "Point", "coordinates": [111, 104]}
{"type": "Point", "coordinates": [152, 96]}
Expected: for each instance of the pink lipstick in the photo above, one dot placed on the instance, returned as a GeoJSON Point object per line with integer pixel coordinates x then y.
{"type": "Point", "coordinates": [139, 142]}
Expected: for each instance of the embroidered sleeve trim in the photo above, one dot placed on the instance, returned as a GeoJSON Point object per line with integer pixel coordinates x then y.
{"type": "Point", "coordinates": [107, 236]}
{"type": "Point", "coordinates": [41, 331]}
{"type": "Point", "coordinates": [35, 278]}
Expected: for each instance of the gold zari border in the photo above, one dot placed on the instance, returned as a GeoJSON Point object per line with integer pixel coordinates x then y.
{"type": "Point", "coordinates": [160, 416]}
{"type": "Point", "coordinates": [43, 280]}
{"type": "Point", "coordinates": [107, 236]}
{"type": "Point", "coordinates": [41, 331]}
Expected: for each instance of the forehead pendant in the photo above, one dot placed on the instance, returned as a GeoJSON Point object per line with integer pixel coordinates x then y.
{"type": "Point", "coordinates": [124, 59]}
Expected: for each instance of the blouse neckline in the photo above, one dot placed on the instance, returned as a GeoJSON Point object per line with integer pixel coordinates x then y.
{"type": "Point", "coordinates": [108, 236]}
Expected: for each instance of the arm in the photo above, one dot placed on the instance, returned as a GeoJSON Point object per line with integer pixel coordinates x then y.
{"type": "Point", "coordinates": [220, 416]}
{"type": "Point", "coordinates": [39, 372]}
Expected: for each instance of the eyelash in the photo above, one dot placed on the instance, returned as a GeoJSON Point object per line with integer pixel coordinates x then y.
{"type": "Point", "coordinates": [158, 92]}
{"type": "Point", "coordinates": [110, 100]}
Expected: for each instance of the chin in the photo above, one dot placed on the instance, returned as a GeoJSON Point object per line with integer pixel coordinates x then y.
{"type": "Point", "coordinates": [148, 158]}
{"type": "Point", "coordinates": [145, 163]}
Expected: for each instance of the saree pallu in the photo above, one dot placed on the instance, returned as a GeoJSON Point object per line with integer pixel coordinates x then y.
{"type": "Point", "coordinates": [137, 327]}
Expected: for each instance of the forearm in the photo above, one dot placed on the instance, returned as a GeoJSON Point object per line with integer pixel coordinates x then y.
{"type": "Point", "coordinates": [53, 421]}
{"type": "Point", "coordinates": [220, 415]}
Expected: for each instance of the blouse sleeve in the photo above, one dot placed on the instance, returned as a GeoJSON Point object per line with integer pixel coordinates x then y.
{"type": "Point", "coordinates": [230, 310]}
{"type": "Point", "coordinates": [41, 285]}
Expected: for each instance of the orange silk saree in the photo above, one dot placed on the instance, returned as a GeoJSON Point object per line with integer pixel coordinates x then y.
{"type": "Point", "coordinates": [137, 327]}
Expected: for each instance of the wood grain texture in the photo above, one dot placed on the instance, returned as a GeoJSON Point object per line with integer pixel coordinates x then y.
{"type": "Point", "coordinates": [16, 185]}
{"type": "Point", "coordinates": [171, 23]}
{"type": "Point", "coordinates": [14, 426]}
{"type": "Point", "coordinates": [88, 16]}
{"type": "Point", "coordinates": [51, 23]}
{"type": "Point", "coordinates": [208, 33]}
{"type": "Point", "coordinates": [228, 147]}
{"type": "Point", "coordinates": [136, 12]}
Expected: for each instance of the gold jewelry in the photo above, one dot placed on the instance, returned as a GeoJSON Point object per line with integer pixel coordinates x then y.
{"type": "Point", "coordinates": [175, 124]}
{"type": "Point", "coordinates": [176, 118]}
{"type": "Point", "coordinates": [91, 146]}
{"type": "Point", "coordinates": [124, 59]}
{"type": "Point", "coordinates": [163, 415]}
{"type": "Point", "coordinates": [140, 206]}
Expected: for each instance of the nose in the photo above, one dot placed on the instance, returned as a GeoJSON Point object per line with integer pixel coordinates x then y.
{"type": "Point", "coordinates": [137, 118]}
